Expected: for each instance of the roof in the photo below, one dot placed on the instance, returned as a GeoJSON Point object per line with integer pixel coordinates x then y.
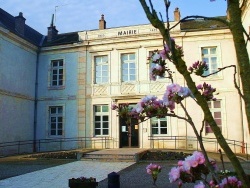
{"type": "Point", "coordinates": [201, 24]}
{"type": "Point", "coordinates": [7, 21]}
{"type": "Point", "coordinates": [62, 39]}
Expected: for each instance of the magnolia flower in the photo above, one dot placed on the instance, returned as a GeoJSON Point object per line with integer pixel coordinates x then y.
{"type": "Point", "coordinates": [114, 107]}
{"type": "Point", "coordinates": [174, 174]}
{"type": "Point", "coordinates": [200, 185]}
{"type": "Point", "coordinates": [156, 56]}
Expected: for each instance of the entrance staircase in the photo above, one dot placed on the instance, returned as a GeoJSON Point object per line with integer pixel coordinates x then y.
{"type": "Point", "coordinates": [115, 155]}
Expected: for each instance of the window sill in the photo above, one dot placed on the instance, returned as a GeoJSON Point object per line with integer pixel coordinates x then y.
{"type": "Point", "coordinates": [212, 78]}
{"type": "Point", "coordinates": [56, 87]}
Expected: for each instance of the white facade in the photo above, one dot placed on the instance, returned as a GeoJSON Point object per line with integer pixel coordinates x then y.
{"type": "Point", "coordinates": [111, 44]}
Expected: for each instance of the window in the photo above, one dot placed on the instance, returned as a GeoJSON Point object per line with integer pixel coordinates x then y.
{"type": "Point", "coordinates": [56, 120]}
{"type": "Point", "coordinates": [159, 126]}
{"type": "Point", "coordinates": [101, 120]}
{"type": "Point", "coordinates": [215, 108]}
{"type": "Point", "coordinates": [210, 56]}
{"type": "Point", "coordinates": [128, 67]}
{"type": "Point", "coordinates": [101, 69]}
{"type": "Point", "coordinates": [56, 73]}
{"type": "Point", "coordinates": [151, 65]}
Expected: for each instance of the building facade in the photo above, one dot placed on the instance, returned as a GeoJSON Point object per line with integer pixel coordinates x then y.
{"type": "Point", "coordinates": [65, 84]}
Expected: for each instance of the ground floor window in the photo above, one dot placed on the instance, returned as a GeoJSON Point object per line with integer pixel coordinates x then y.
{"type": "Point", "coordinates": [215, 108]}
{"type": "Point", "coordinates": [159, 126]}
{"type": "Point", "coordinates": [101, 120]}
{"type": "Point", "coordinates": [56, 120]}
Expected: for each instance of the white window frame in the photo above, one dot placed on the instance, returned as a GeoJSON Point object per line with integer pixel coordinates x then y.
{"type": "Point", "coordinates": [57, 115]}
{"type": "Point", "coordinates": [102, 64]}
{"type": "Point", "coordinates": [101, 114]}
{"type": "Point", "coordinates": [51, 74]}
{"type": "Point", "coordinates": [218, 61]}
{"type": "Point", "coordinates": [129, 62]}
{"type": "Point", "coordinates": [159, 127]}
{"type": "Point", "coordinates": [213, 111]}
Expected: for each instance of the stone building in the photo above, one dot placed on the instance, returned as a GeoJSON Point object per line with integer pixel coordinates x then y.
{"type": "Point", "coordinates": [58, 89]}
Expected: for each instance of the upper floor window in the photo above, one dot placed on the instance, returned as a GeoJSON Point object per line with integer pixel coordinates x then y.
{"type": "Point", "coordinates": [216, 110]}
{"type": "Point", "coordinates": [101, 115]}
{"type": "Point", "coordinates": [128, 67]}
{"type": "Point", "coordinates": [159, 126]}
{"type": "Point", "coordinates": [101, 69]}
{"type": "Point", "coordinates": [56, 73]}
{"type": "Point", "coordinates": [56, 121]}
{"type": "Point", "coordinates": [210, 56]}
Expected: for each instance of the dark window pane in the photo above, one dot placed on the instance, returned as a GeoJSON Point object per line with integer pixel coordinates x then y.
{"type": "Point", "coordinates": [97, 131]}
{"type": "Point", "coordinates": [105, 118]}
{"type": "Point", "coordinates": [52, 119]}
{"type": "Point", "coordinates": [105, 125]}
{"type": "Point", "coordinates": [53, 125]}
{"type": "Point", "coordinates": [154, 131]}
{"type": "Point", "coordinates": [97, 125]}
{"type": "Point", "coordinates": [59, 132]}
{"type": "Point", "coordinates": [59, 125]}
{"type": "Point", "coordinates": [53, 132]}
{"type": "Point", "coordinates": [52, 110]}
{"type": "Point", "coordinates": [54, 83]}
{"type": "Point", "coordinates": [97, 118]}
{"type": "Point", "coordinates": [154, 124]}
{"type": "Point", "coordinates": [61, 63]}
{"type": "Point", "coordinates": [59, 119]}
{"type": "Point", "coordinates": [105, 131]}
{"type": "Point", "coordinates": [163, 124]}
{"type": "Point", "coordinates": [164, 131]}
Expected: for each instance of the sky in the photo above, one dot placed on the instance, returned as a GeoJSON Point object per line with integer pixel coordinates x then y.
{"type": "Point", "coordinates": [81, 15]}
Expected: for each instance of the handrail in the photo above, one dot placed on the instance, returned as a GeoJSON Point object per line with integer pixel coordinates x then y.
{"type": "Point", "coordinates": [43, 145]}
{"type": "Point", "coordinates": [158, 142]}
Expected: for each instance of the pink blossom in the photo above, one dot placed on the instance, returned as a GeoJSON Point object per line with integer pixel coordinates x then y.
{"type": "Point", "coordinates": [200, 185]}
{"type": "Point", "coordinates": [153, 168]}
{"type": "Point", "coordinates": [230, 181]}
{"type": "Point", "coordinates": [114, 107]}
{"type": "Point", "coordinates": [174, 174]}
{"type": "Point", "coordinates": [156, 56]}
{"type": "Point", "coordinates": [199, 157]}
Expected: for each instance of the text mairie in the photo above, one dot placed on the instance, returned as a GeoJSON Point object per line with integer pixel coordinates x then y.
{"type": "Point", "coordinates": [128, 32]}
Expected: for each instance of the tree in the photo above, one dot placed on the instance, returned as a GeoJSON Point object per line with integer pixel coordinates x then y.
{"type": "Point", "coordinates": [238, 32]}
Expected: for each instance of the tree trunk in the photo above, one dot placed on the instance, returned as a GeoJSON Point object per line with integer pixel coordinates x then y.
{"type": "Point", "coordinates": [237, 30]}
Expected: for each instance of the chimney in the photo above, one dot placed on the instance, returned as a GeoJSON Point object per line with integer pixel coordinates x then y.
{"type": "Point", "coordinates": [52, 31]}
{"type": "Point", "coordinates": [20, 24]}
{"type": "Point", "coordinates": [102, 23]}
{"type": "Point", "coordinates": [177, 15]}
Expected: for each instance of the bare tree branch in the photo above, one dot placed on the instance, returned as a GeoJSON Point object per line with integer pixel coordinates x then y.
{"type": "Point", "coordinates": [235, 82]}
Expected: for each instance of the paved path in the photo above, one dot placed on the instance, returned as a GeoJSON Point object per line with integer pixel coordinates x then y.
{"type": "Point", "coordinates": [57, 177]}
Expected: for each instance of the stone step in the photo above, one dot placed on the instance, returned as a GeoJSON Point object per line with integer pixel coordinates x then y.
{"type": "Point", "coordinates": [110, 157]}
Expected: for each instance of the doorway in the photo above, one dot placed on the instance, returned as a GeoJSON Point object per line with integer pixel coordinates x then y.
{"type": "Point", "coordinates": [129, 133]}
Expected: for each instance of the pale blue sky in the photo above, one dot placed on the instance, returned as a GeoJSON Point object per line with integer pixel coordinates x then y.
{"type": "Point", "coordinates": [81, 15]}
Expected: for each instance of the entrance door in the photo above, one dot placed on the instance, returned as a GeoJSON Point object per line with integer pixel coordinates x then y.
{"type": "Point", "coordinates": [129, 133]}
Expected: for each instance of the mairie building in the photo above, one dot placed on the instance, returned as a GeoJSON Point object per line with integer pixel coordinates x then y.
{"type": "Point", "coordinates": [56, 91]}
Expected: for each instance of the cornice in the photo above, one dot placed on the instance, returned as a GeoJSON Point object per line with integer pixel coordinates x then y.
{"type": "Point", "coordinates": [18, 41]}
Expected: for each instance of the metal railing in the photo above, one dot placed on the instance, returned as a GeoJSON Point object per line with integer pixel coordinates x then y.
{"type": "Point", "coordinates": [191, 143]}
{"type": "Point", "coordinates": [54, 144]}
